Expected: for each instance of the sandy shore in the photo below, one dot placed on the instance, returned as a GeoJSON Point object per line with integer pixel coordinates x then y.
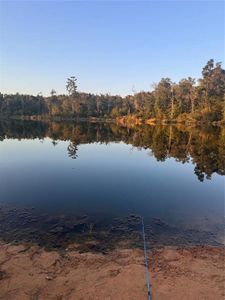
{"type": "Point", "coordinates": [30, 272]}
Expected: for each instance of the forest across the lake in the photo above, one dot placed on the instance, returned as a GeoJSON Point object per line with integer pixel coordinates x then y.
{"type": "Point", "coordinates": [189, 101]}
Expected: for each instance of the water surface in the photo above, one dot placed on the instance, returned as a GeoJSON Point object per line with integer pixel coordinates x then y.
{"type": "Point", "coordinates": [168, 175]}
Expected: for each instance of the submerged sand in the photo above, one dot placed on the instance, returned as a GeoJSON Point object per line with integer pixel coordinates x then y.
{"type": "Point", "coordinates": [30, 272]}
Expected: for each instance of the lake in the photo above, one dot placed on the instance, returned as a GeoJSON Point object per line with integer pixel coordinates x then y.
{"type": "Point", "coordinates": [64, 181]}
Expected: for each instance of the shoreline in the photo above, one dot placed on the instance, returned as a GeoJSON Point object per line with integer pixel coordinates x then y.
{"type": "Point", "coordinates": [30, 272]}
{"type": "Point", "coordinates": [93, 233]}
{"type": "Point", "coordinates": [121, 121]}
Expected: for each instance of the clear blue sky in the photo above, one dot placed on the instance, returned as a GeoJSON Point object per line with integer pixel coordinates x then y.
{"type": "Point", "coordinates": [108, 45]}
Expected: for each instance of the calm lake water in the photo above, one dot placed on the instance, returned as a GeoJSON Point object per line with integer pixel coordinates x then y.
{"type": "Point", "coordinates": [167, 174]}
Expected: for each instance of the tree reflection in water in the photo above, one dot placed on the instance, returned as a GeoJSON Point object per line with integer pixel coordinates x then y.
{"type": "Point", "coordinates": [204, 147]}
{"type": "Point", "coordinates": [72, 150]}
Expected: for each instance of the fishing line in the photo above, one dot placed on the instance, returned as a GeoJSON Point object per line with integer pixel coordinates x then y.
{"type": "Point", "coordinates": [146, 260]}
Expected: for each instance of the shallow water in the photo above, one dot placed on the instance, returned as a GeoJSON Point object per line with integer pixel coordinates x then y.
{"type": "Point", "coordinates": [165, 174]}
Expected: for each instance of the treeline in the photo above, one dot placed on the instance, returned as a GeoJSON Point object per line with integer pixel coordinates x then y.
{"type": "Point", "coordinates": [204, 147]}
{"type": "Point", "coordinates": [189, 100]}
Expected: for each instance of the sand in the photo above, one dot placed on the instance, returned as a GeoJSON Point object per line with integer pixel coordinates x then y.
{"type": "Point", "coordinates": [30, 272]}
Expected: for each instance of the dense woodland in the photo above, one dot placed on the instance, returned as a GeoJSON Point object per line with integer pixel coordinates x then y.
{"type": "Point", "coordinates": [205, 147]}
{"type": "Point", "coordinates": [201, 100]}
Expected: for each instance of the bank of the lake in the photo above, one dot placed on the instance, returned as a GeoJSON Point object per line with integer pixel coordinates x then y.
{"type": "Point", "coordinates": [30, 272]}
{"type": "Point", "coordinates": [128, 120]}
